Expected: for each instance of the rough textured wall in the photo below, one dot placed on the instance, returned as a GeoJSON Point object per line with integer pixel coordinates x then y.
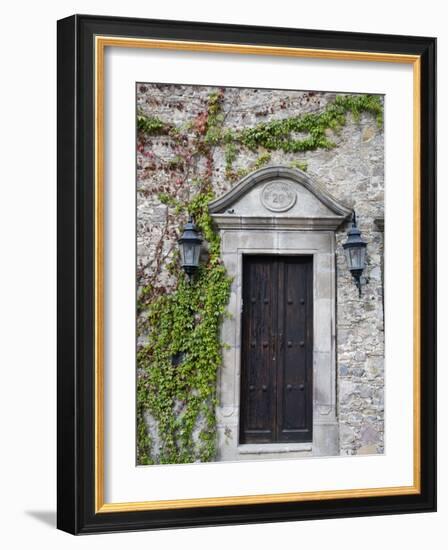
{"type": "Point", "coordinates": [352, 172]}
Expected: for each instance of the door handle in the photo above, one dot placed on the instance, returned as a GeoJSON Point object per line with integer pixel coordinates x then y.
{"type": "Point", "coordinates": [280, 338]}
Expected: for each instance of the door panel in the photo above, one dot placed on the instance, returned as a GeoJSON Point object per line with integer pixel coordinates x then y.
{"type": "Point", "coordinates": [276, 369]}
{"type": "Point", "coordinates": [258, 382]}
{"type": "Point", "coordinates": [295, 361]}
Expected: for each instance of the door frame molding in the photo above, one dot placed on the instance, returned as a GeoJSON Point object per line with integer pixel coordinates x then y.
{"type": "Point", "coordinates": [308, 227]}
{"type": "Point", "coordinates": [321, 245]}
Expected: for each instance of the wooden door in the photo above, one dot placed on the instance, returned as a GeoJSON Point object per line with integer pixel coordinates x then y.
{"type": "Point", "coordinates": [277, 349]}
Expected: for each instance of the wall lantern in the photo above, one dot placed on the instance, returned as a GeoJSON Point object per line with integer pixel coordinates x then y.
{"type": "Point", "coordinates": [190, 248]}
{"type": "Point", "coordinates": [355, 253]}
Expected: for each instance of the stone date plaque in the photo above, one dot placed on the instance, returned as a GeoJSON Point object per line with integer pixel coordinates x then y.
{"type": "Point", "coordinates": [278, 196]}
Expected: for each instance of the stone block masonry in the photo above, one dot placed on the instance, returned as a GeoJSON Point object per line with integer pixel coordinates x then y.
{"type": "Point", "coordinates": [352, 171]}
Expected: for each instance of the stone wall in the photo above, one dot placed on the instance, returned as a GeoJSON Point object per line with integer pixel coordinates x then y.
{"type": "Point", "coordinates": [352, 171]}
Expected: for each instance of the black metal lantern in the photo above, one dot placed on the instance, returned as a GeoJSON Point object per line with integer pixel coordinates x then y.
{"type": "Point", "coordinates": [355, 253]}
{"type": "Point", "coordinates": [190, 248]}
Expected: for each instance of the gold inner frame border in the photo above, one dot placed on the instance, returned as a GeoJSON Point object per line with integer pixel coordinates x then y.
{"type": "Point", "coordinates": [100, 44]}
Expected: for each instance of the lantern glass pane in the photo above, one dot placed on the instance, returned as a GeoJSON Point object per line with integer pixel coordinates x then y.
{"type": "Point", "coordinates": [181, 251]}
{"type": "Point", "coordinates": [348, 257]}
{"type": "Point", "coordinates": [355, 257]}
{"type": "Point", "coordinates": [197, 251]}
{"type": "Point", "coordinates": [362, 258]}
{"type": "Point", "coordinates": [188, 253]}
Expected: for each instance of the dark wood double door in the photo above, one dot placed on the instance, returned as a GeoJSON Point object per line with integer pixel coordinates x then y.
{"type": "Point", "coordinates": [277, 349]}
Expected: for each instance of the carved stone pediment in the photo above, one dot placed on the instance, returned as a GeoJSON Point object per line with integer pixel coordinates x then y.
{"type": "Point", "coordinates": [278, 197]}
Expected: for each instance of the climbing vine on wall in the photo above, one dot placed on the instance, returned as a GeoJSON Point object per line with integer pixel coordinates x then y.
{"type": "Point", "coordinates": [179, 322]}
{"type": "Point", "coordinates": [179, 364]}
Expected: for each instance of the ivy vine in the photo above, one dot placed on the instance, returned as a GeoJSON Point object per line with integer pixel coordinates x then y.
{"type": "Point", "coordinates": [177, 385]}
{"type": "Point", "coordinates": [179, 360]}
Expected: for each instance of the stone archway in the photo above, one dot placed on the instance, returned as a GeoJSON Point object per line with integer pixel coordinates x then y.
{"type": "Point", "coordinates": [280, 211]}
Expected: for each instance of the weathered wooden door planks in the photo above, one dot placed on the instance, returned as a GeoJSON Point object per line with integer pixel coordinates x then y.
{"type": "Point", "coordinates": [277, 349]}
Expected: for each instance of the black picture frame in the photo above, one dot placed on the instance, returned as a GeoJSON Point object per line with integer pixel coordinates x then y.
{"type": "Point", "coordinates": [76, 256]}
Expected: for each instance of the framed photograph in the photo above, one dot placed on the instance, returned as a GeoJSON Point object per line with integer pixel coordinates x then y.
{"type": "Point", "coordinates": [246, 274]}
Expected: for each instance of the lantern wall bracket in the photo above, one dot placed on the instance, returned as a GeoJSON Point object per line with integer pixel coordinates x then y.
{"type": "Point", "coordinates": [360, 281]}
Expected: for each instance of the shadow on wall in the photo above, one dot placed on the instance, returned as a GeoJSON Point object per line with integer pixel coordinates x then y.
{"type": "Point", "coordinates": [48, 517]}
